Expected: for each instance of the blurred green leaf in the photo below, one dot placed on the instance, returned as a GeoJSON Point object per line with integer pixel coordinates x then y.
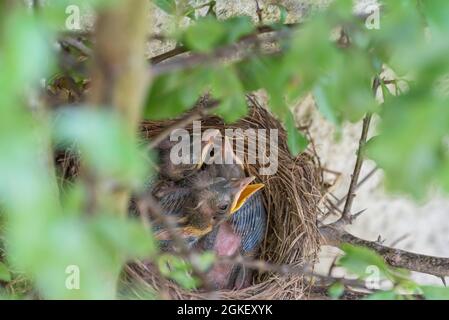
{"type": "Point", "coordinates": [237, 27]}
{"type": "Point", "coordinates": [226, 87]}
{"type": "Point", "coordinates": [383, 295]}
{"type": "Point", "coordinates": [410, 145]}
{"type": "Point", "coordinates": [357, 259]}
{"type": "Point", "coordinates": [283, 13]}
{"type": "Point", "coordinates": [105, 144]}
{"type": "Point", "coordinates": [205, 34]}
{"type": "Point", "coordinates": [336, 290]}
{"type": "Point", "coordinates": [127, 238]}
{"type": "Point", "coordinates": [5, 275]}
{"type": "Point", "coordinates": [177, 269]}
{"type": "Point", "coordinates": [297, 143]}
{"type": "Point", "coordinates": [435, 293]}
{"type": "Point", "coordinates": [169, 6]}
{"type": "Point", "coordinates": [205, 261]}
{"type": "Point", "coordinates": [175, 93]}
{"type": "Point", "coordinates": [17, 65]}
{"type": "Point", "coordinates": [208, 33]}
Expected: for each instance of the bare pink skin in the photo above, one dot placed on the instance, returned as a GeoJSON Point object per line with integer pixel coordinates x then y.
{"type": "Point", "coordinates": [227, 244]}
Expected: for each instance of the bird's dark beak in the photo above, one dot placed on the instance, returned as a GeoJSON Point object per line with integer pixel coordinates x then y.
{"type": "Point", "coordinates": [244, 191]}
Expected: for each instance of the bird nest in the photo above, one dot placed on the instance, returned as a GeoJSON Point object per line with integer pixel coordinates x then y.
{"type": "Point", "coordinates": [291, 198]}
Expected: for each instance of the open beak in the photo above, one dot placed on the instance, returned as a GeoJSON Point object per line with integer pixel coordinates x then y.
{"type": "Point", "coordinates": [245, 190]}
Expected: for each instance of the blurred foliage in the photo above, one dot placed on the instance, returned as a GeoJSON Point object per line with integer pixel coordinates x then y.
{"type": "Point", "coordinates": [46, 234]}
{"type": "Point", "coordinates": [332, 55]}
{"type": "Point", "coordinates": [411, 41]}
{"type": "Point", "coordinates": [370, 268]}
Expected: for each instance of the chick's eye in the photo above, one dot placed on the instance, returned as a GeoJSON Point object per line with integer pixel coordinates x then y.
{"type": "Point", "coordinates": [223, 207]}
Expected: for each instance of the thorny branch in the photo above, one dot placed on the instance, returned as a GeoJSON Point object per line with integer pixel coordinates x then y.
{"type": "Point", "coordinates": [361, 182]}
{"type": "Point", "coordinates": [289, 269]}
{"type": "Point", "coordinates": [395, 257]}
{"type": "Point", "coordinates": [346, 217]}
{"type": "Point", "coordinates": [334, 233]}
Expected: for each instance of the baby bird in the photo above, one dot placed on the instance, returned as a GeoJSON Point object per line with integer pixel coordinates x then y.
{"type": "Point", "coordinates": [242, 233]}
{"type": "Point", "coordinates": [199, 205]}
{"type": "Point", "coordinates": [177, 171]}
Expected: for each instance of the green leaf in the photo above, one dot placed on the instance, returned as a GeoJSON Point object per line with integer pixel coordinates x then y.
{"type": "Point", "coordinates": [324, 106]}
{"type": "Point", "coordinates": [297, 143]}
{"type": "Point", "coordinates": [124, 238]}
{"type": "Point", "coordinates": [435, 293]}
{"type": "Point", "coordinates": [205, 261]}
{"type": "Point", "coordinates": [410, 146]}
{"type": "Point", "coordinates": [283, 13]}
{"type": "Point", "coordinates": [357, 260]}
{"type": "Point", "coordinates": [336, 290]}
{"type": "Point", "coordinates": [5, 275]}
{"type": "Point", "coordinates": [208, 33]}
{"type": "Point", "coordinates": [107, 146]}
{"type": "Point", "coordinates": [383, 295]}
{"type": "Point", "coordinates": [238, 27]}
{"type": "Point", "coordinates": [205, 34]}
{"type": "Point", "coordinates": [177, 269]}
{"type": "Point", "coordinates": [226, 87]}
{"type": "Point", "coordinates": [169, 6]}
{"type": "Point", "coordinates": [175, 93]}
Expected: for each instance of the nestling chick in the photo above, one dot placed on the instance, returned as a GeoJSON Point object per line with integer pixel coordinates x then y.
{"type": "Point", "coordinates": [176, 172]}
{"type": "Point", "coordinates": [242, 233]}
{"type": "Point", "coordinates": [201, 204]}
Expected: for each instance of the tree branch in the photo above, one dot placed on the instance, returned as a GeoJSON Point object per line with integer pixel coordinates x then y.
{"type": "Point", "coordinates": [346, 217]}
{"type": "Point", "coordinates": [436, 266]}
{"type": "Point", "coordinates": [120, 75]}
{"type": "Point", "coordinates": [168, 54]}
{"type": "Point", "coordinates": [78, 45]}
{"type": "Point", "coordinates": [289, 269]}
{"type": "Point", "coordinates": [227, 52]}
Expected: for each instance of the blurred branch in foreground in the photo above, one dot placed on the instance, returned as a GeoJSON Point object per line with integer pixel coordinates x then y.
{"type": "Point", "coordinates": [120, 75]}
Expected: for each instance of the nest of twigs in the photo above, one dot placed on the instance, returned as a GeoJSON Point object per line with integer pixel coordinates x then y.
{"type": "Point", "coordinates": [291, 199]}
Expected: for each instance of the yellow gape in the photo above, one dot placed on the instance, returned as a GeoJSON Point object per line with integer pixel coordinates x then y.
{"type": "Point", "coordinates": [244, 195]}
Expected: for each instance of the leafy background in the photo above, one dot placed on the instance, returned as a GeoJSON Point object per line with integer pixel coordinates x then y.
{"type": "Point", "coordinates": [413, 153]}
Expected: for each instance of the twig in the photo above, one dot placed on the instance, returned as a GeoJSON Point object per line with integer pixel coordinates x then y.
{"type": "Point", "coordinates": [169, 54]}
{"type": "Point", "coordinates": [395, 257]}
{"type": "Point", "coordinates": [366, 178]}
{"type": "Point", "coordinates": [79, 45]}
{"type": "Point", "coordinates": [287, 269]}
{"type": "Point", "coordinates": [259, 12]}
{"type": "Point", "coordinates": [395, 242]}
{"type": "Point", "coordinates": [225, 52]}
{"type": "Point", "coordinates": [346, 217]}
